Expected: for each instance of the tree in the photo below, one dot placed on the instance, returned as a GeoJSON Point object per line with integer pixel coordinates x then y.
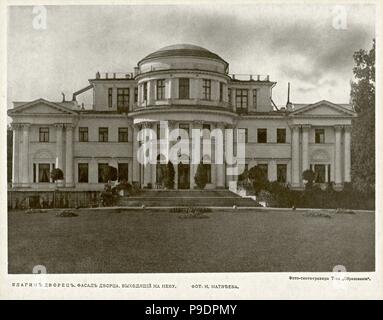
{"type": "Point", "coordinates": [258, 178]}
{"type": "Point", "coordinates": [9, 153]}
{"type": "Point", "coordinates": [169, 176]}
{"type": "Point", "coordinates": [200, 177]}
{"type": "Point", "coordinates": [57, 174]}
{"type": "Point", "coordinates": [109, 173]}
{"type": "Point", "coordinates": [363, 128]}
{"type": "Point", "coordinates": [309, 176]}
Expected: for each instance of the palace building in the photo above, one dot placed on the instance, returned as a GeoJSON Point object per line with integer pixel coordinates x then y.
{"type": "Point", "coordinates": [190, 87]}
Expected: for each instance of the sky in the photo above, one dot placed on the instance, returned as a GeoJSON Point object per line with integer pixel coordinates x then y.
{"type": "Point", "coordinates": [310, 46]}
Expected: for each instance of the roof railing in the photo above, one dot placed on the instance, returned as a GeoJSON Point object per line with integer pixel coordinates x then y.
{"type": "Point", "coordinates": [114, 75]}
{"type": "Point", "coordinates": [249, 77]}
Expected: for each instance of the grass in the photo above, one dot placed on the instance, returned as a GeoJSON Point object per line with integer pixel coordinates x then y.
{"type": "Point", "coordinates": [128, 241]}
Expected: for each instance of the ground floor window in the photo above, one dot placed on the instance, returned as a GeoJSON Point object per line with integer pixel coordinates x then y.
{"type": "Point", "coordinates": [44, 172]}
{"type": "Point", "coordinates": [101, 168]}
{"type": "Point", "coordinates": [281, 173]}
{"type": "Point", "coordinates": [208, 172]}
{"type": "Point", "coordinates": [123, 171]}
{"type": "Point", "coordinates": [320, 173]}
{"type": "Point", "coordinates": [265, 168]}
{"type": "Point", "coordinates": [83, 173]}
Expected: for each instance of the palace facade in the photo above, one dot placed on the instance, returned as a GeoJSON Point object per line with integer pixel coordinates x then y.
{"type": "Point", "coordinates": [190, 87]}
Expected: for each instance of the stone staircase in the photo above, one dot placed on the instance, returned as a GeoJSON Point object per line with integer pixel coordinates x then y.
{"type": "Point", "coordinates": [186, 198]}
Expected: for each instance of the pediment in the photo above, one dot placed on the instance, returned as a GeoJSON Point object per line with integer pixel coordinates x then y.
{"type": "Point", "coordinates": [323, 108]}
{"type": "Point", "coordinates": [41, 107]}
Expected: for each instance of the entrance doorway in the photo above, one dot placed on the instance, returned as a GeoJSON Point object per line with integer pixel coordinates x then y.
{"type": "Point", "coordinates": [183, 176]}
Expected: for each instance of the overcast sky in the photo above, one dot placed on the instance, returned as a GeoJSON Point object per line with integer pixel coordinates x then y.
{"type": "Point", "coordinates": [290, 43]}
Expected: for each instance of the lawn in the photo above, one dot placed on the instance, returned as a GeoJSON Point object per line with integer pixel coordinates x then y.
{"type": "Point", "coordinates": [129, 241]}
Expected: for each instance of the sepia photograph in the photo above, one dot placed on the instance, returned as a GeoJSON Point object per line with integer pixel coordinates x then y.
{"type": "Point", "coordinates": [180, 139]}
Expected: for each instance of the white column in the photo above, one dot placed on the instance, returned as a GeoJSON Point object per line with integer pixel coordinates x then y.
{"type": "Point", "coordinates": [148, 166]}
{"type": "Point", "coordinates": [220, 173]}
{"type": "Point", "coordinates": [16, 156]}
{"type": "Point", "coordinates": [305, 147]}
{"type": "Point", "coordinates": [233, 99]}
{"type": "Point", "coordinates": [59, 145]}
{"type": "Point", "coordinates": [69, 156]}
{"type": "Point", "coordinates": [25, 156]}
{"type": "Point", "coordinates": [151, 92]}
{"type": "Point", "coordinates": [136, 165]}
{"type": "Point", "coordinates": [295, 176]}
{"type": "Point", "coordinates": [347, 154]}
{"type": "Point", "coordinates": [338, 154]}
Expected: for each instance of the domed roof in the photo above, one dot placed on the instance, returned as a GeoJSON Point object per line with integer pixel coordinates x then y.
{"type": "Point", "coordinates": [183, 49]}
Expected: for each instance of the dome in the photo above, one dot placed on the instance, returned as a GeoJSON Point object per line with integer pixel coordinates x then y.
{"type": "Point", "coordinates": [186, 50]}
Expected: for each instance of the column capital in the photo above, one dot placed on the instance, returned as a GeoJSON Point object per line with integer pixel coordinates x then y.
{"type": "Point", "coordinates": [295, 127]}
{"type": "Point", "coordinates": [25, 125]}
{"type": "Point", "coordinates": [147, 124]}
{"type": "Point", "coordinates": [69, 126]}
{"type": "Point", "coordinates": [58, 125]}
{"type": "Point", "coordinates": [198, 122]}
{"type": "Point", "coordinates": [220, 125]}
{"type": "Point", "coordinates": [16, 126]}
{"type": "Point", "coordinates": [338, 127]}
{"type": "Point", "coordinates": [306, 126]}
{"type": "Point", "coordinates": [347, 128]}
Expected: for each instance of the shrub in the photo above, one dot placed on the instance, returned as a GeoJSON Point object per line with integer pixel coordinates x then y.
{"type": "Point", "coordinates": [109, 173]}
{"type": "Point", "coordinates": [309, 176]}
{"type": "Point", "coordinates": [57, 174]}
{"type": "Point", "coordinates": [258, 179]}
{"type": "Point", "coordinates": [169, 176]}
{"type": "Point", "coordinates": [200, 177]}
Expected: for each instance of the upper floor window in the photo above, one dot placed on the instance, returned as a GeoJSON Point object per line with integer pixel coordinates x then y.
{"type": "Point", "coordinates": [319, 135]}
{"type": "Point", "coordinates": [281, 135]}
{"type": "Point", "coordinates": [145, 91]}
{"type": "Point", "coordinates": [265, 168]}
{"type": "Point", "coordinates": [123, 134]}
{"type": "Point", "coordinates": [241, 97]}
{"type": "Point", "coordinates": [221, 91]}
{"type": "Point", "coordinates": [183, 88]}
{"type": "Point", "coordinates": [44, 134]}
{"type": "Point", "coordinates": [135, 94]}
{"type": "Point", "coordinates": [122, 98]}
{"type": "Point", "coordinates": [229, 95]}
{"type": "Point", "coordinates": [206, 89]}
{"type": "Point", "coordinates": [161, 89]}
{"type": "Point", "coordinates": [255, 98]}
{"type": "Point", "coordinates": [103, 134]}
{"type": "Point", "coordinates": [83, 134]}
{"type": "Point", "coordinates": [110, 97]}
{"type": "Point", "coordinates": [262, 135]}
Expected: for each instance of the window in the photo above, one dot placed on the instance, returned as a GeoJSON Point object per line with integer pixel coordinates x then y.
{"type": "Point", "coordinates": [103, 134]}
{"type": "Point", "coordinates": [44, 134]}
{"type": "Point", "coordinates": [281, 172]}
{"type": "Point", "coordinates": [183, 88]}
{"type": "Point", "coordinates": [83, 173]}
{"type": "Point", "coordinates": [44, 172]}
{"type": "Point", "coordinates": [319, 135]}
{"type": "Point", "coordinates": [34, 173]}
{"type": "Point", "coordinates": [122, 98]}
{"type": "Point", "coordinates": [229, 95]}
{"type": "Point", "coordinates": [184, 126]}
{"type": "Point", "coordinates": [123, 171]}
{"type": "Point", "coordinates": [255, 99]}
{"type": "Point", "coordinates": [206, 126]}
{"type": "Point", "coordinates": [221, 91]}
{"type": "Point", "coordinates": [265, 168]}
{"type": "Point", "coordinates": [123, 134]}
{"type": "Point", "coordinates": [241, 96]}
{"type": "Point", "coordinates": [135, 94]}
{"type": "Point", "coordinates": [145, 91]}
{"type": "Point", "coordinates": [83, 134]}
{"type": "Point", "coordinates": [206, 89]}
{"type": "Point", "coordinates": [281, 135]}
{"type": "Point", "coordinates": [160, 89]}
{"type": "Point", "coordinates": [262, 135]}
{"type": "Point", "coordinates": [101, 169]}
{"type": "Point", "coordinates": [328, 172]}
{"type": "Point", "coordinates": [110, 97]}
{"type": "Point", "coordinates": [320, 173]}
